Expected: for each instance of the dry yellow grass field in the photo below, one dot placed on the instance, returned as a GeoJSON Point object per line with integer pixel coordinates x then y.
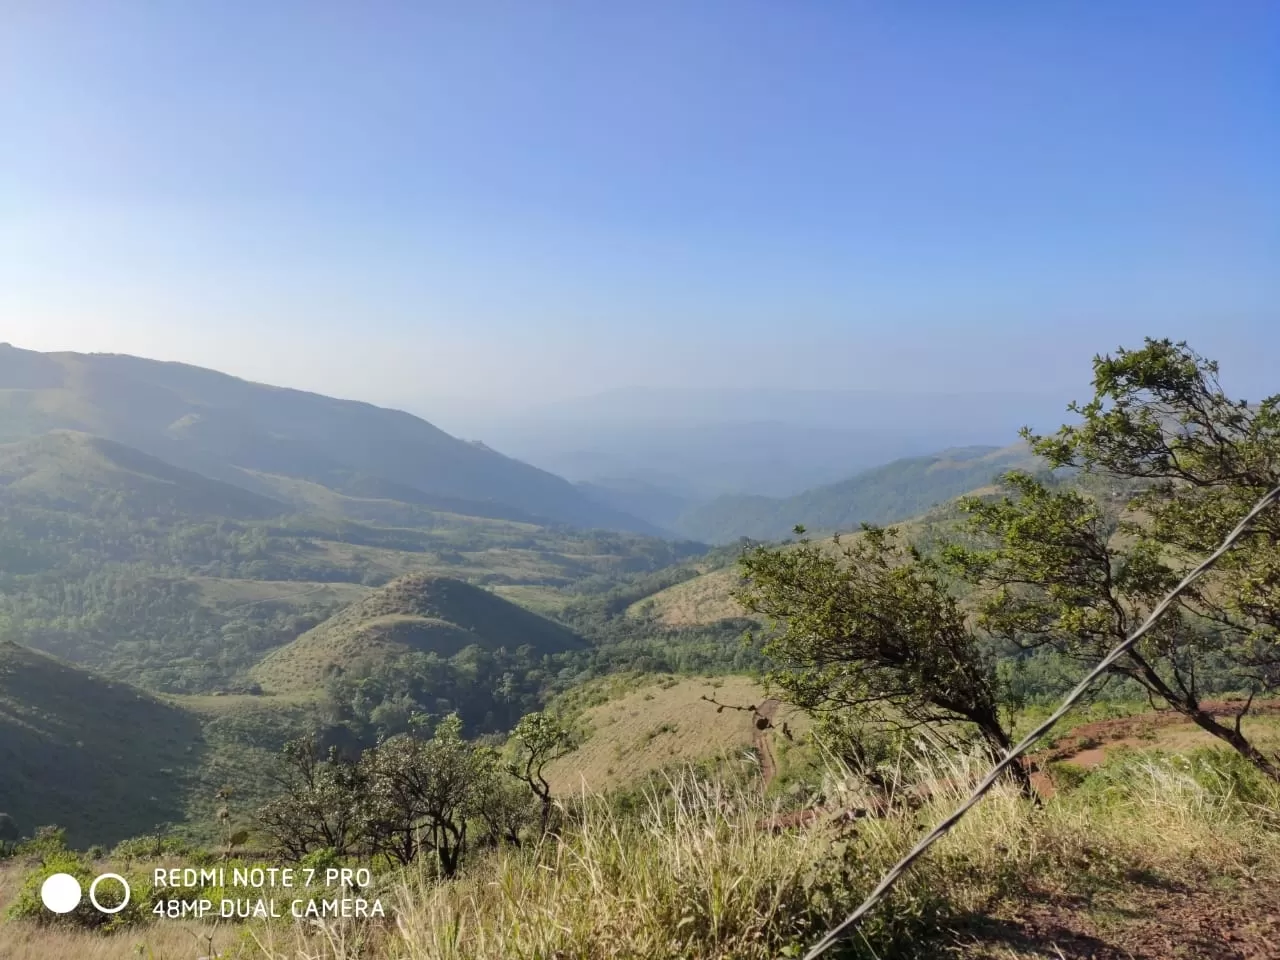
{"type": "Point", "coordinates": [704, 599]}
{"type": "Point", "coordinates": [658, 725]}
{"type": "Point", "coordinates": [222, 593]}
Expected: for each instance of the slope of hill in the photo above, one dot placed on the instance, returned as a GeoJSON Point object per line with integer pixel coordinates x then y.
{"type": "Point", "coordinates": [101, 759]}
{"type": "Point", "coordinates": [663, 723]}
{"type": "Point", "coordinates": [108, 558]}
{"type": "Point", "coordinates": [418, 613]}
{"type": "Point", "coordinates": [885, 494]}
{"type": "Point", "coordinates": [233, 430]}
{"type": "Point", "coordinates": [707, 598]}
{"type": "Point", "coordinates": [77, 473]}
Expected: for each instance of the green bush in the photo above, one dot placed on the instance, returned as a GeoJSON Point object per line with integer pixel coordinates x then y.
{"type": "Point", "coordinates": [1215, 776]}
{"type": "Point", "coordinates": [1067, 776]}
{"type": "Point", "coordinates": [321, 859]}
{"type": "Point", "coordinates": [45, 840]}
{"type": "Point", "coordinates": [28, 906]}
{"type": "Point", "coordinates": [150, 847]}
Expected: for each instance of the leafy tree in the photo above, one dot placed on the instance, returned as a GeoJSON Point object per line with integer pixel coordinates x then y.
{"type": "Point", "coordinates": [322, 804]}
{"type": "Point", "coordinates": [506, 809]}
{"type": "Point", "coordinates": [422, 792]}
{"type": "Point", "coordinates": [870, 627]}
{"type": "Point", "coordinates": [540, 738]}
{"type": "Point", "coordinates": [1160, 416]}
{"type": "Point", "coordinates": [1077, 573]}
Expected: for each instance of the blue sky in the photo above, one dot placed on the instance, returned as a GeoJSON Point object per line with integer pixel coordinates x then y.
{"type": "Point", "coordinates": [499, 201]}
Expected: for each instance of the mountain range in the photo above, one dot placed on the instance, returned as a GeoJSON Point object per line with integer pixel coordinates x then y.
{"type": "Point", "coordinates": [256, 561]}
{"type": "Point", "coordinates": [248, 448]}
{"type": "Point", "coordinates": [883, 494]}
{"type": "Point", "coordinates": [260, 438]}
{"type": "Point", "coordinates": [698, 444]}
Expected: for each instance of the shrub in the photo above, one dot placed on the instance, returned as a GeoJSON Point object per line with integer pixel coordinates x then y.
{"type": "Point", "coordinates": [1067, 776]}
{"type": "Point", "coordinates": [46, 841]}
{"type": "Point", "coordinates": [28, 906]}
{"type": "Point", "coordinates": [151, 847]}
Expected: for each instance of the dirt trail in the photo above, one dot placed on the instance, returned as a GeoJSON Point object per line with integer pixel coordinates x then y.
{"type": "Point", "coordinates": [1088, 744]}
{"type": "Point", "coordinates": [762, 722]}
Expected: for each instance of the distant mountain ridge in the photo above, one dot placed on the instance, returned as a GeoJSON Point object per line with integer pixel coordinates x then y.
{"type": "Point", "coordinates": [244, 433]}
{"type": "Point", "coordinates": [884, 494]}
{"type": "Point", "coordinates": [701, 443]}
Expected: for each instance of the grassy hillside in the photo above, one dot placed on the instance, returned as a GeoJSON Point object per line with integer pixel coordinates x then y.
{"type": "Point", "coordinates": [119, 561]}
{"type": "Point", "coordinates": [662, 723]}
{"type": "Point", "coordinates": [415, 614]}
{"type": "Point", "coordinates": [895, 491]}
{"type": "Point", "coordinates": [704, 599]}
{"type": "Point", "coordinates": [77, 473]}
{"type": "Point", "coordinates": [234, 430]}
{"type": "Point", "coordinates": [707, 598]}
{"type": "Point", "coordinates": [101, 759]}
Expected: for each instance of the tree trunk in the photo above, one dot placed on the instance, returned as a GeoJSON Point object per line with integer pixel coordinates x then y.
{"type": "Point", "coordinates": [998, 740]}
{"type": "Point", "coordinates": [1190, 708]}
{"type": "Point", "coordinates": [546, 813]}
{"type": "Point", "coordinates": [1235, 739]}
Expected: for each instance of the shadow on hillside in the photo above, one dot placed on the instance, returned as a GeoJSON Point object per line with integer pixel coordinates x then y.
{"type": "Point", "coordinates": [1147, 919]}
{"type": "Point", "coordinates": [100, 759]}
{"type": "Point", "coordinates": [1034, 934]}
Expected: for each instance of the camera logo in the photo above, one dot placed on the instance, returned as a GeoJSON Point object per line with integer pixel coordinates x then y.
{"type": "Point", "coordinates": [61, 893]}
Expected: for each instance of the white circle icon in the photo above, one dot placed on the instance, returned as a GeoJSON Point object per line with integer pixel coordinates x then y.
{"type": "Point", "coordinates": [93, 889]}
{"type": "Point", "coordinates": [60, 892]}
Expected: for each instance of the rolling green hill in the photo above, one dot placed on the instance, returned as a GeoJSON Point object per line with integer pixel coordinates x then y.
{"type": "Point", "coordinates": [116, 560]}
{"type": "Point", "coordinates": [101, 759]}
{"type": "Point", "coordinates": [419, 613]}
{"type": "Point", "coordinates": [241, 432]}
{"type": "Point", "coordinates": [895, 491]}
{"type": "Point", "coordinates": [81, 474]}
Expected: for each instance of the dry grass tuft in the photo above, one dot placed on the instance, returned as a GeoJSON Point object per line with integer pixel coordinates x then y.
{"type": "Point", "coordinates": [692, 875]}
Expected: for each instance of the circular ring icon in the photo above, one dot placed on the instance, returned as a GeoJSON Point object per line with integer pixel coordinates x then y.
{"type": "Point", "coordinates": [93, 887]}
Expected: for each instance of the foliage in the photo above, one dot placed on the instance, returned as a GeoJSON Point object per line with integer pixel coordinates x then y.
{"type": "Point", "coordinates": [321, 804]}
{"type": "Point", "coordinates": [871, 627]}
{"type": "Point", "coordinates": [540, 739]}
{"type": "Point", "coordinates": [1160, 416]}
{"type": "Point", "coordinates": [422, 792]}
{"type": "Point", "coordinates": [1064, 570]}
{"type": "Point", "coordinates": [407, 798]}
{"type": "Point", "coordinates": [28, 906]}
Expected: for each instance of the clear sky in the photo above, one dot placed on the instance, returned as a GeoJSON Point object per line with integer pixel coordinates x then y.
{"type": "Point", "coordinates": [523, 200]}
